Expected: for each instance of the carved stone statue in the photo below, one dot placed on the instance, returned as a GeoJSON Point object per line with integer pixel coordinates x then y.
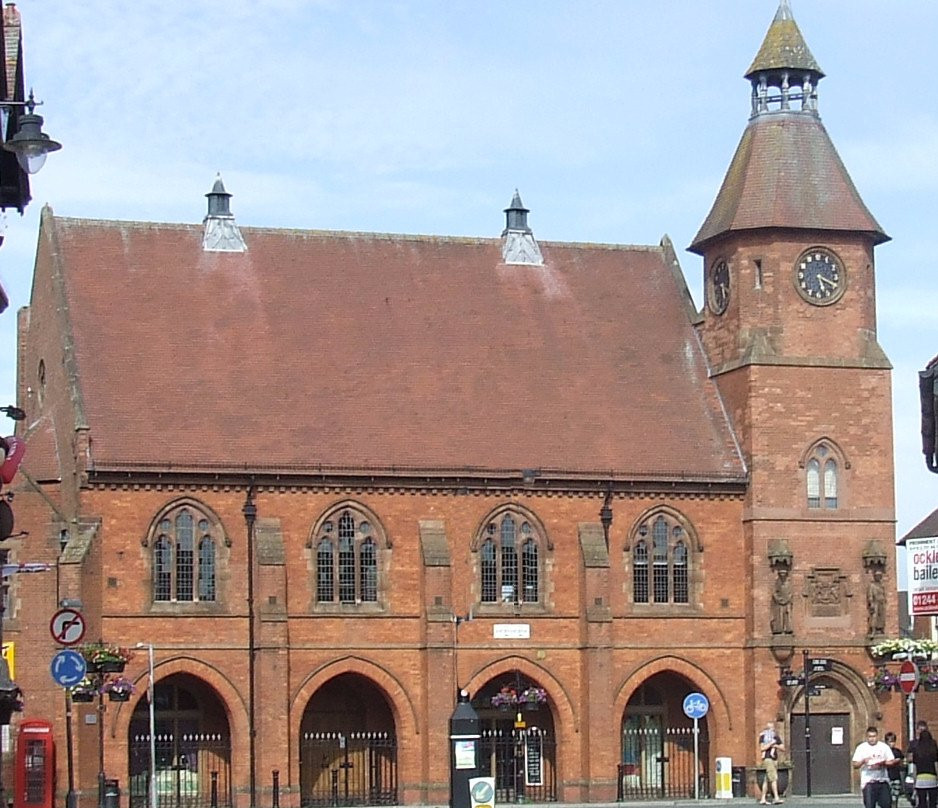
{"type": "Point", "coordinates": [781, 603]}
{"type": "Point", "coordinates": [876, 604]}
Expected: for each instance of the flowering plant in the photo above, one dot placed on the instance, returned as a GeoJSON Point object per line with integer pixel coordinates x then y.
{"type": "Point", "coordinates": [904, 645]}
{"type": "Point", "coordinates": [930, 676]}
{"type": "Point", "coordinates": [98, 652]}
{"type": "Point", "coordinates": [884, 680]}
{"type": "Point", "coordinates": [85, 686]}
{"type": "Point", "coordinates": [533, 695]}
{"type": "Point", "coordinates": [120, 684]}
{"type": "Point", "coordinates": [505, 697]}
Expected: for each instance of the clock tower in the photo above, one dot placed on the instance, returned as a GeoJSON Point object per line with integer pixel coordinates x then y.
{"type": "Point", "coordinates": [789, 327]}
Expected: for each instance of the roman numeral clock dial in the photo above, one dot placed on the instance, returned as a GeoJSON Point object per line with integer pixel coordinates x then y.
{"type": "Point", "coordinates": [819, 276]}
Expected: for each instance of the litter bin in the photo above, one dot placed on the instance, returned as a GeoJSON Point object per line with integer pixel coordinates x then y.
{"type": "Point", "coordinates": [739, 781]}
{"type": "Point", "coordinates": [112, 794]}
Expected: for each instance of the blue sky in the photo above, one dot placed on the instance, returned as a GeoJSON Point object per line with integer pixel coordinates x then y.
{"type": "Point", "coordinates": [616, 120]}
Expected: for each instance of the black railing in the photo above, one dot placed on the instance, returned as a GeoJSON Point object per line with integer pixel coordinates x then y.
{"type": "Point", "coordinates": [343, 769]}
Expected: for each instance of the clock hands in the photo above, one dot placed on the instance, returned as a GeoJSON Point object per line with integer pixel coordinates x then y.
{"type": "Point", "coordinates": [822, 281]}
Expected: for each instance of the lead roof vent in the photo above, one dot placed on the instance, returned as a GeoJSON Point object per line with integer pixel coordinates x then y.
{"type": "Point", "coordinates": [220, 232]}
{"type": "Point", "coordinates": [518, 244]}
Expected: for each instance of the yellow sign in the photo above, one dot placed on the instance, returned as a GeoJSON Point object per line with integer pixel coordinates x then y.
{"type": "Point", "coordinates": [9, 656]}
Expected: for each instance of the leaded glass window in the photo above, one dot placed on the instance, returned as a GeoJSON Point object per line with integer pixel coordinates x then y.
{"type": "Point", "coordinates": [184, 558]}
{"type": "Point", "coordinates": [661, 562]}
{"type": "Point", "coordinates": [509, 561]}
{"type": "Point", "coordinates": [346, 559]}
{"type": "Point", "coordinates": [821, 474]}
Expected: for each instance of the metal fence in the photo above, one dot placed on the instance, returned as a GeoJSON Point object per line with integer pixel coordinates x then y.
{"type": "Point", "coordinates": [523, 763]}
{"type": "Point", "coordinates": [357, 768]}
{"type": "Point", "coordinates": [658, 762]}
{"type": "Point", "coordinates": [193, 770]}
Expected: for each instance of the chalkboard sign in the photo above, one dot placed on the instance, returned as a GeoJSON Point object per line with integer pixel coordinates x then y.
{"type": "Point", "coordinates": [533, 760]}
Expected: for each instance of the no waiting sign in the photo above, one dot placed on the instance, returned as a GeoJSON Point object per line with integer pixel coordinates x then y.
{"type": "Point", "coordinates": [922, 566]}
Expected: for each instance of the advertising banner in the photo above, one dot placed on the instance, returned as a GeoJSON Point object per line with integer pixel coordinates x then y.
{"type": "Point", "coordinates": [922, 566]}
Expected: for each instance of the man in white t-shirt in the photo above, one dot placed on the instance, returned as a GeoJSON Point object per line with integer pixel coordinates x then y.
{"type": "Point", "coordinates": [871, 757]}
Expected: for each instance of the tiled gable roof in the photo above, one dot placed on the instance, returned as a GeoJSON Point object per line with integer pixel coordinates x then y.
{"type": "Point", "coordinates": [786, 173]}
{"type": "Point", "coordinates": [367, 351]}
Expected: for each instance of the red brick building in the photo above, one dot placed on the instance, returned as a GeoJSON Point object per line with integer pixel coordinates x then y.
{"type": "Point", "coordinates": [335, 477]}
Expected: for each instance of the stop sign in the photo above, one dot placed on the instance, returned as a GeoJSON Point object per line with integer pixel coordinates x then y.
{"type": "Point", "coordinates": [908, 676]}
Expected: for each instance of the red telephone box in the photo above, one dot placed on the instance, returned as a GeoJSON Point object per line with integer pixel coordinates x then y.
{"type": "Point", "coordinates": [35, 765]}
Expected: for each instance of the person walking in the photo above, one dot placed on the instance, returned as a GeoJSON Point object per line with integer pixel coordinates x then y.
{"type": "Point", "coordinates": [925, 758]}
{"type": "Point", "coordinates": [872, 757]}
{"type": "Point", "coordinates": [770, 744]}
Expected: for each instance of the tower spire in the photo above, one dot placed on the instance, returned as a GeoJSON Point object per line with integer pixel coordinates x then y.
{"type": "Point", "coordinates": [784, 72]}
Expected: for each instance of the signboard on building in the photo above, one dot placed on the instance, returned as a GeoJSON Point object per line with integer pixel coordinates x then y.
{"type": "Point", "coordinates": [922, 565]}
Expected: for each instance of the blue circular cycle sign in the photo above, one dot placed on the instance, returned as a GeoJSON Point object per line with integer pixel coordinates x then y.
{"type": "Point", "coordinates": [696, 705]}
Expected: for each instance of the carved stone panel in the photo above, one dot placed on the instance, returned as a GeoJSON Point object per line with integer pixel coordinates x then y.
{"type": "Point", "coordinates": [827, 590]}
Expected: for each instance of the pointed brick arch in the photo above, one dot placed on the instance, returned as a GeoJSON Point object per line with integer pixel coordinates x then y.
{"type": "Point", "coordinates": [399, 700]}
{"type": "Point", "coordinates": [352, 505]}
{"type": "Point", "coordinates": [719, 710]}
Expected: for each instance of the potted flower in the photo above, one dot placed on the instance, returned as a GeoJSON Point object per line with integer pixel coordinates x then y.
{"type": "Point", "coordinates": [533, 698]}
{"type": "Point", "coordinates": [105, 658]}
{"type": "Point", "coordinates": [884, 680]}
{"type": "Point", "coordinates": [118, 688]}
{"type": "Point", "coordinates": [505, 699]}
{"type": "Point", "coordinates": [930, 679]}
{"type": "Point", "coordinates": [84, 691]}
{"type": "Point", "coordinates": [912, 648]}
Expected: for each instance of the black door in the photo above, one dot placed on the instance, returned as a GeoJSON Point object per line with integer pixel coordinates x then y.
{"type": "Point", "coordinates": [830, 754]}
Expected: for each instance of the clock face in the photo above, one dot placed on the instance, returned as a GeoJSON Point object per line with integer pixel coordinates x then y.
{"type": "Point", "coordinates": [718, 289]}
{"type": "Point", "coordinates": [819, 277]}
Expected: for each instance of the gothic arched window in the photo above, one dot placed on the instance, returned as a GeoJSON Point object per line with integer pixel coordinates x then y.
{"type": "Point", "coordinates": [821, 477]}
{"type": "Point", "coordinates": [510, 560]}
{"type": "Point", "coordinates": [347, 558]}
{"type": "Point", "coordinates": [185, 556]}
{"type": "Point", "coordinates": [661, 561]}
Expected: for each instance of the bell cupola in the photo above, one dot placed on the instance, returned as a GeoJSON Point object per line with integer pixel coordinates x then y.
{"type": "Point", "coordinates": [784, 75]}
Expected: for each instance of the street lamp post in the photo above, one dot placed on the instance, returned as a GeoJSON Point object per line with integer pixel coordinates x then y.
{"type": "Point", "coordinates": [151, 688]}
{"type": "Point", "coordinates": [250, 516]}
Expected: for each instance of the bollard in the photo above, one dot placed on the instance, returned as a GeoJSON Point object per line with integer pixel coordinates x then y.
{"type": "Point", "coordinates": [213, 795]}
{"type": "Point", "coordinates": [276, 788]}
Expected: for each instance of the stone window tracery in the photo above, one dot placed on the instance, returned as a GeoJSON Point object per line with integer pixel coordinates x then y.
{"type": "Point", "coordinates": [185, 549]}
{"type": "Point", "coordinates": [822, 477]}
{"type": "Point", "coordinates": [510, 551]}
{"type": "Point", "coordinates": [661, 560]}
{"type": "Point", "coordinates": [347, 557]}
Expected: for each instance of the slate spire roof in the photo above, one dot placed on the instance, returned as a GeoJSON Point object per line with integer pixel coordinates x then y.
{"type": "Point", "coordinates": [786, 172]}
{"type": "Point", "coordinates": [784, 47]}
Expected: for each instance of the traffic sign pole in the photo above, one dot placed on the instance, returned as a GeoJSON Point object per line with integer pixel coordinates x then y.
{"type": "Point", "coordinates": [696, 706]}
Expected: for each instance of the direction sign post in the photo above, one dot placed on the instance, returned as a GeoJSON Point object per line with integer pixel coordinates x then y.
{"type": "Point", "coordinates": [696, 706]}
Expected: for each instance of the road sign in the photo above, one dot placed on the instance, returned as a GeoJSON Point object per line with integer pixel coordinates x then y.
{"type": "Point", "coordinates": [67, 626]}
{"type": "Point", "coordinates": [791, 681]}
{"type": "Point", "coordinates": [908, 676]}
{"type": "Point", "coordinates": [696, 705]}
{"type": "Point", "coordinates": [68, 668]}
{"type": "Point", "coordinates": [820, 665]}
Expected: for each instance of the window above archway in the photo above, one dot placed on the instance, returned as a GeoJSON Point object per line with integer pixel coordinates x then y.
{"type": "Point", "coordinates": [511, 546]}
{"type": "Point", "coordinates": [349, 550]}
{"type": "Point", "coordinates": [185, 546]}
{"type": "Point", "coordinates": [663, 553]}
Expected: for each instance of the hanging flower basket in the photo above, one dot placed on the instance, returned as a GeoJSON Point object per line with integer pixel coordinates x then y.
{"type": "Point", "coordinates": [118, 688]}
{"type": "Point", "coordinates": [884, 680]}
{"type": "Point", "coordinates": [104, 658]}
{"type": "Point", "coordinates": [918, 648]}
{"type": "Point", "coordinates": [533, 698]}
{"type": "Point", "coordinates": [505, 699]}
{"type": "Point", "coordinates": [84, 696]}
